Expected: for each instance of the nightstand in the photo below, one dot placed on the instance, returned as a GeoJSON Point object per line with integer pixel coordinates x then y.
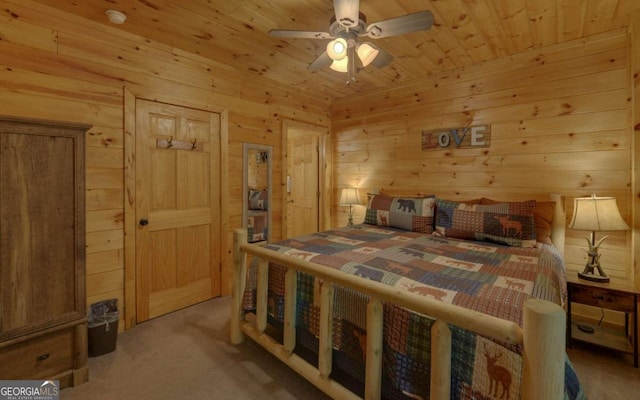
{"type": "Point", "coordinates": [609, 297]}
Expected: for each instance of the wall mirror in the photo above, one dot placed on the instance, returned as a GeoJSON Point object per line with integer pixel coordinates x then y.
{"type": "Point", "coordinates": [256, 192]}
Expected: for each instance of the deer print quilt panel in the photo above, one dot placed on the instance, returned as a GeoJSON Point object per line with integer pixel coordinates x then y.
{"type": "Point", "coordinates": [485, 277]}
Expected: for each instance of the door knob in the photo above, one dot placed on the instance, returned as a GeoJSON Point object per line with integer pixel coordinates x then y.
{"type": "Point", "coordinates": [144, 222]}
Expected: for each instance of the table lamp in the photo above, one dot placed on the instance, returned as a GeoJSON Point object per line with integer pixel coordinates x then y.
{"type": "Point", "coordinates": [349, 196]}
{"type": "Point", "coordinates": [596, 214]}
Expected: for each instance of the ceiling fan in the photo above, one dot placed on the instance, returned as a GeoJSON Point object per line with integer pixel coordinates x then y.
{"type": "Point", "coordinates": [346, 27]}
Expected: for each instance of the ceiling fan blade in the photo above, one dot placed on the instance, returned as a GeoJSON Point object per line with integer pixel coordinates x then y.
{"type": "Point", "coordinates": [347, 12]}
{"type": "Point", "coordinates": [284, 33]}
{"type": "Point", "coordinates": [420, 21]}
{"type": "Point", "coordinates": [322, 61]}
{"type": "Point", "coordinates": [382, 59]}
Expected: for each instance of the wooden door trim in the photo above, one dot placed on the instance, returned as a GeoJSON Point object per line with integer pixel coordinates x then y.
{"type": "Point", "coordinates": [325, 177]}
{"type": "Point", "coordinates": [129, 309]}
{"type": "Point", "coordinates": [129, 312]}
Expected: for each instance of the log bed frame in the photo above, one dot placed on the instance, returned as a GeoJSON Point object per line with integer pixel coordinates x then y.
{"type": "Point", "coordinates": [542, 336]}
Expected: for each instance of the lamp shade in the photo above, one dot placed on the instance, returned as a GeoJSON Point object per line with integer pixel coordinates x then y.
{"type": "Point", "coordinates": [337, 49]}
{"type": "Point", "coordinates": [366, 53]}
{"type": "Point", "coordinates": [597, 214]}
{"type": "Point", "coordinates": [340, 65]}
{"type": "Point", "coordinates": [349, 196]}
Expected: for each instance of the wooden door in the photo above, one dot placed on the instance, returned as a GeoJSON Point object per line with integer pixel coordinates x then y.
{"type": "Point", "coordinates": [177, 207]}
{"type": "Point", "coordinates": [303, 185]}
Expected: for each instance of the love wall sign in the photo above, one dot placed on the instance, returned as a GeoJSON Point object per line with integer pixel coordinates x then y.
{"type": "Point", "coordinates": [463, 137]}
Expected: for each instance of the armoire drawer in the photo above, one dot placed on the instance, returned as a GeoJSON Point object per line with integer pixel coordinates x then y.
{"type": "Point", "coordinates": [38, 358]}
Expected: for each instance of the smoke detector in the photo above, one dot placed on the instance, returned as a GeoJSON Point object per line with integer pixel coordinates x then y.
{"type": "Point", "coordinates": [116, 17]}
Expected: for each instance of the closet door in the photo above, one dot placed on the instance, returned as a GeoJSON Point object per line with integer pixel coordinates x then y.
{"type": "Point", "coordinates": [177, 207]}
{"type": "Point", "coordinates": [41, 227]}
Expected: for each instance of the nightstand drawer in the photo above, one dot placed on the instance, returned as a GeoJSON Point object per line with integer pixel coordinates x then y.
{"type": "Point", "coordinates": [601, 297]}
{"type": "Point", "coordinates": [620, 298]}
{"type": "Point", "coordinates": [38, 358]}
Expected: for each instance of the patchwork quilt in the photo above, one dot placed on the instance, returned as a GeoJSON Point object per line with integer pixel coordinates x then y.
{"type": "Point", "coordinates": [485, 277]}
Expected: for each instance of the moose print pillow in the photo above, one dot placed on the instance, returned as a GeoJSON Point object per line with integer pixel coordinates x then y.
{"type": "Point", "coordinates": [505, 223]}
{"type": "Point", "coordinates": [408, 213]}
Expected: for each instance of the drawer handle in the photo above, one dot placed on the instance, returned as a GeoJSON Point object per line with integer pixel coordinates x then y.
{"type": "Point", "coordinates": [43, 357]}
{"type": "Point", "coordinates": [598, 296]}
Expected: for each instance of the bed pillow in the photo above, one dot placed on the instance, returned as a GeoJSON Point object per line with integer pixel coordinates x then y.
{"type": "Point", "coordinates": [409, 213]}
{"type": "Point", "coordinates": [505, 223]}
{"type": "Point", "coordinates": [257, 199]}
{"type": "Point", "coordinates": [542, 217]}
{"type": "Point", "coordinates": [256, 228]}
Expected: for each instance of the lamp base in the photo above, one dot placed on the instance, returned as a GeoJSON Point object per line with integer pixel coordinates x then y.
{"type": "Point", "coordinates": [593, 278]}
{"type": "Point", "coordinates": [593, 264]}
{"type": "Point", "coordinates": [350, 216]}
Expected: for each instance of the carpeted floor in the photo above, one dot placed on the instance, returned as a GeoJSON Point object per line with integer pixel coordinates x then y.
{"type": "Point", "coordinates": [187, 355]}
{"type": "Point", "coordinates": [605, 374]}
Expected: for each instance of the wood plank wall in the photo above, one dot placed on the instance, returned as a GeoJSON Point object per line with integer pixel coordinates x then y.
{"type": "Point", "coordinates": [561, 123]}
{"type": "Point", "coordinates": [60, 67]}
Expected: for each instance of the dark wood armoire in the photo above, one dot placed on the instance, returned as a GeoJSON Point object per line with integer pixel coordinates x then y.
{"type": "Point", "coordinates": [43, 324]}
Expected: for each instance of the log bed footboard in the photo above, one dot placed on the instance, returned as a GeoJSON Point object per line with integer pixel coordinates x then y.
{"type": "Point", "coordinates": [542, 336]}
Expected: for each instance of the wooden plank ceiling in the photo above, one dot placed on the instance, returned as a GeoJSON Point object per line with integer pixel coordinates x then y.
{"type": "Point", "coordinates": [465, 32]}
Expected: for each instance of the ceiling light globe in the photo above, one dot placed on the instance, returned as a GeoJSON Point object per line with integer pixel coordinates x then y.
{"type": "Point", "coordinates": [366, 53]}
{"type": "Point", "coordinates": [340, 65]}
{"type": "Point", "coordinates": [337, 49]}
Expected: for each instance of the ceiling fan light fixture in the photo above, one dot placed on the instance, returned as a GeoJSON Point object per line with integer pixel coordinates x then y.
{"type": "Point", "coordinates": [344, 53]}
{"type": "Point", "coordinates": [341, 65]}
{"type": "Point", "coordinates": [366, 53]}
{"type": "Point", "coordinates": [337, 49]}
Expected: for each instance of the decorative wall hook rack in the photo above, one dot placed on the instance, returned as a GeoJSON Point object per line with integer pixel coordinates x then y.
{"type": "Point", "coordinates": [171, 143]}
